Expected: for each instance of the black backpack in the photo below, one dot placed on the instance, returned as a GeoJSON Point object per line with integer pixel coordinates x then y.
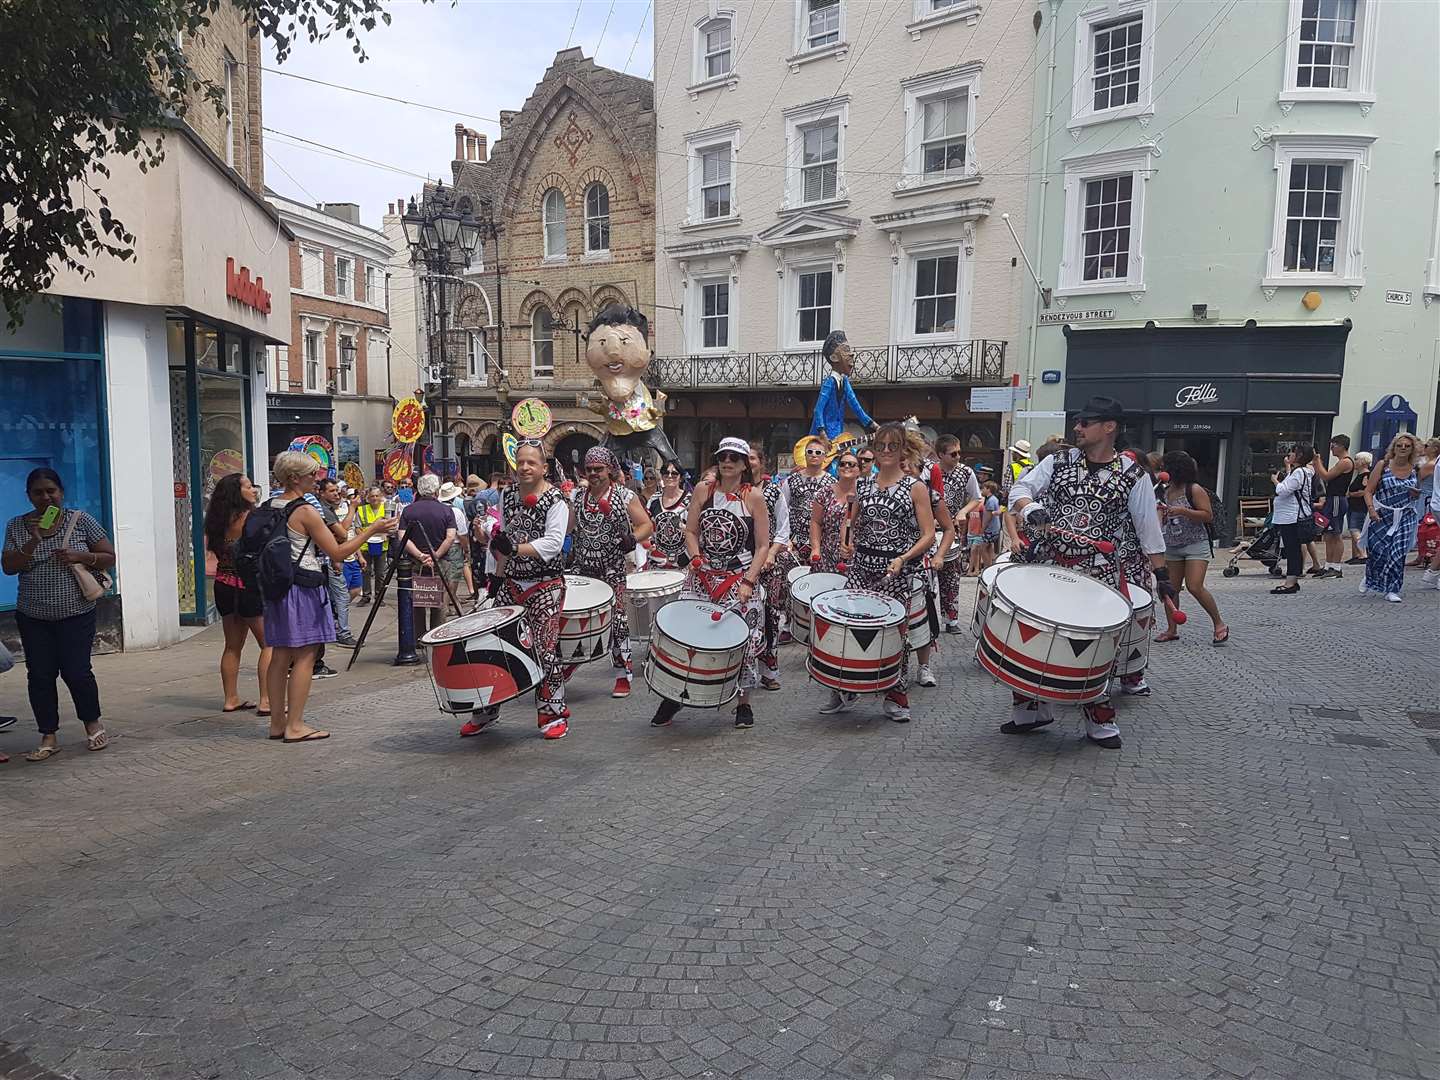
{"type": "Point", "coordinates": [1212, 527]}
{"type": "Point", "coordinates": [263, 559]}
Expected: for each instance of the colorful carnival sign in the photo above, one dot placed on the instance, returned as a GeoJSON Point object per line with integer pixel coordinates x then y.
{"type": "Point", "coordinates": [509, 444]}
{"type": "Point", "coordinates": [397, 464]}
{"type": "Point", "coordinates": [319, 448]}
{"type": "Point", "coordinates": [226, 462]}
{"type": "Point", "coordinates": [408, 420]}
{"type": "Point", "coordinates": [531, 418]}
{"type": "Point", "coordinates": [354, 475]}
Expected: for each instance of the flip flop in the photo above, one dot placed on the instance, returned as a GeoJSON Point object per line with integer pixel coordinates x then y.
{"type": "Point", "coordinates": [244, 706]}
{"type": "Point", "coordinates": [275, 738]}
{"type": "Point", "coordinates": [98, 741]}
{"type": "Point", "coordinates": [1221, 638]}
{"type": "Point", "coordinates": [314, 736]}
{"type": "Point", "coordinates": [42, 753]}
{"type": "Point", "coordinates": [1168, 637]}
{"type": "Point", "coordinates": [262, 712]}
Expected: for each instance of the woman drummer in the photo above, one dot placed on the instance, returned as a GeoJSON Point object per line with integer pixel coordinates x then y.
{"type": "Point", "coordinates": [921, 462]}
{"type": "Point", "coordinates": [669, 510]}
{"type": "Point", "coordinates": [830, 547]}
{"type": "Point", "coordinates": [526, 567]}
{"type": "Point", "coordinates": [726, 538]}
{"type": "Point", "coordinates": [893, 526]}
{"type": "Point", "coordinates": [800, 490]}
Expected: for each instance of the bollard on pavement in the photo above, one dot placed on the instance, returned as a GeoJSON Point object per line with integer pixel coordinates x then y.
{"type": "Point", "coordinates": [405, 609]}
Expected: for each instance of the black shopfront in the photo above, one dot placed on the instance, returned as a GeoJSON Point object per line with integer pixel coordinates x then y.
{"type": "Point", "coordinates": [1237, 399]}
{"type": "Point", "coordinates": [293, 416]}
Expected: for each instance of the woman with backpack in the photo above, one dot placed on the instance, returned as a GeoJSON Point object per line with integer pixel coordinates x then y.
{"type": "Point", "coordinates": [1293, 513]}
{"type": "Point", "coordinates": [280, 542]}
{"type": "Point", "coordinates": [240, 607]}
{"type": "Point", "coordinates": [1186, 516]}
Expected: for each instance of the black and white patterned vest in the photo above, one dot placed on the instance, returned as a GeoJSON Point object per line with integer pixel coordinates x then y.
{"type": "Point", "coordinates": [599, 525]}
{"type": "Point", "coordinates": [802, 490]}
{"type": "Point", "coordinates": [668, 546]}
{"type": "Point", "coordinates": [771, 491]}
{"type": "Point", "coordinates": [957, 488]}
{"type": "Point", "coordinates": [727, 531]}
{"type": "Point", "coordinates": [885, 525]}
{"type": "Point", "coordinates": [1093, 502]}
{"type": "Point", "coordinates": [524, 525]}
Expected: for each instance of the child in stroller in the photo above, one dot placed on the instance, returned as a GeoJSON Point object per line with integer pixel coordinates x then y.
{"type": "Point", "coordinates": [1264, 547]}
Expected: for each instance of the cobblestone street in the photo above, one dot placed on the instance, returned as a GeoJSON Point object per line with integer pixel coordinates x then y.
{"type": "Point", "coordinates": [1248, 889]}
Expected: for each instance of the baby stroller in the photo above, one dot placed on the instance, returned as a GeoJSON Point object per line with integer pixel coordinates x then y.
{"type": "Point", "coordinates": [1263, 547]}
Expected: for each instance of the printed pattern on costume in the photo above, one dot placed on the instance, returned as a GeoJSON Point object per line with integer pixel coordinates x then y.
{"type": "Point", "coordinates": [885, 527]}
{"type": "Point", "coordinates": [1093, 502]}
{"type": "Point", "coordinates": [833, 513]}
{"type": "Point", "coordinates": [525, 524]}
{"type": "Point", "coordinates": [543, 602]}
{"type": "Point", "coordinates": [727, 549]}
{"type": "Point", "coordinates": [1388, 540]}
{"type": "Point", "coordinates": [667, 548]}
{"type": "Point", "coordinates": [772, 581]}
{"type": "Point", "coordinates": [599, 526]}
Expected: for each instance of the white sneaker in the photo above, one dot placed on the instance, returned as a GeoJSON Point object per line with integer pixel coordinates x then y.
{"type": "Point", "coordinates": [1138, 688]}
{"type": "Point", "coordinates": [1430, 577]}
{"type": "Point", "coordinates": [1393, 597]}
{"type": "Point", "coordinates": [1102, 733]}
{"type": "Point", "coordinates": [838, 703]}
{"type": "Point", "coordinates": [927, 676]}
{"type": "Point", "coordinates": [1364, 588]}
{"type": "Point", "coordinates": [897, 712]}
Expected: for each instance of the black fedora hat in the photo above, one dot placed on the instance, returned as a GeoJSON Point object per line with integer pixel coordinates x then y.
{"type": "Point", "coordinates": [1101, 408]}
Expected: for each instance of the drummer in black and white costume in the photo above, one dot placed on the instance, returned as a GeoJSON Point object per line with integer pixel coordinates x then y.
{"type": "Point", "coordinates": [669, 509]}
{"type": "Point", "coordinates": [962, 495]}
{"type": "Point", "coordinates": [609, 522]}
{"type": "Point", "coordinates": [773, 491]}
{"type": "Point", "coordinates": [726, 541]}
{"type": "Point", "coordinates": [797, 492]}
{"type": "Point", "coordinates": [892, 527]}
{"type": "Point", "coordinates": [1094, 493]}
{"type": "Point", "coordinates": [923, 465]}
{"type": "Point", "coordinates": [525, 566]}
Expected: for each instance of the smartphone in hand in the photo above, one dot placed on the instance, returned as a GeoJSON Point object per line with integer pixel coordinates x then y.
{"type": "Point", "coordinates": [49, 517]}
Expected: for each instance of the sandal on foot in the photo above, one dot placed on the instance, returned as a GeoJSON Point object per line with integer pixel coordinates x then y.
{"type": "Point", "coordinates": [313, 736]}
{"type": "Point", "coordinates": [98, 741]}
{"type": "Point", "coordinates": [244, 706]}
{"type": "Point", "coordinates": [1168, 637]}
{"type": "Point", "coordinates": [42, 753]}
{"type": "Point", "coordinates": [1221, 637]}
{"type": "Point", "coordinates": [262, 712]}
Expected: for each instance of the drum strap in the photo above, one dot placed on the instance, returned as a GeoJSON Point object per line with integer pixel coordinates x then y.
{"type": "Point", "coordinates": [876, 553]}
{"type": "Point", "coordinates": [524, 595]}
{"type": "Point", "coordinates": [717, 583]}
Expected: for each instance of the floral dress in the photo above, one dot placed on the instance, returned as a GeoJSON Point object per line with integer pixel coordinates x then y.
{"type": "Point", "coordinates": [834, 509]}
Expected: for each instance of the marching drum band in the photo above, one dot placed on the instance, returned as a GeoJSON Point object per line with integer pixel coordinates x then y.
{"type": "Point", "coordinates": [860, 571]}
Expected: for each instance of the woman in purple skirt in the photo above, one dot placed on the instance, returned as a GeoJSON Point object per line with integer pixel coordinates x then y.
{"type": "Point", "coordinates": [298, 623]}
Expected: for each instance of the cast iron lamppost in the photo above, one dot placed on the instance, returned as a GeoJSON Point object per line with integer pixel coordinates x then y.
{"type": "Point", "coordinates": [442, 240]}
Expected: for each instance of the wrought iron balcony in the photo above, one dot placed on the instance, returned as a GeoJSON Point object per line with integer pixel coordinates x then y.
{"type": "Point", "coordinates": [972, 362]}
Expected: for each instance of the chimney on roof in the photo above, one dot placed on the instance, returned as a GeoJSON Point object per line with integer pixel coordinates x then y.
{"type": "Point", "coordinates": [459, 142]}
{"type": "Point", "coordinates": [343, 211]}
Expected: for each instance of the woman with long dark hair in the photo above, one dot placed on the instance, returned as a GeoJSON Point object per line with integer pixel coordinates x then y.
{"type": "Point", "coordinates": [669, 509]}
{"type": "Point", "coordinates": [1183, 517]}
{"type": "Point", "coordinates": [241, 609]}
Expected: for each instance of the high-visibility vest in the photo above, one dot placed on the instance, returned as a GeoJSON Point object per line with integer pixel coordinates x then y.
{"type": "Point", "coordinates": [368, 515]}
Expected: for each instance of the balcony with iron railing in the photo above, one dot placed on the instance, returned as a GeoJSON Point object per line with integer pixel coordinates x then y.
{"type": "Point", "coordinates": [975, 362]}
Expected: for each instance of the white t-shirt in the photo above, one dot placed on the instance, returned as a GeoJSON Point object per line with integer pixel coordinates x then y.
{"type": "Point", "coordinates": [1292, 497]}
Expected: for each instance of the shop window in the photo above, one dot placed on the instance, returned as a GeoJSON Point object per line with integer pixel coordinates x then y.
{"type": "Point", "coordinates": [207, 348]}
{"type": "Point", "coordinates": [1267, 440]}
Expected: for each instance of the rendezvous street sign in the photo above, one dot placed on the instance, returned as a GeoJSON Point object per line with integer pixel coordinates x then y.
{"type": "Point", "coordinates": [1055, 318]}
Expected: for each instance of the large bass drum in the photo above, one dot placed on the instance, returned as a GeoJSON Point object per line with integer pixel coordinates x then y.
{"type": "Point", "coordinates": [803, 592]}
{"type": "Point", "coordinates": [585, 619]}
{"type": "Point", "coordinates": [482, 659]}
{"type": "Point", "coordinates": [1134, 655]}
{"type": "Point", "coordinates": [857, 639]}
{"type": "Point", "coordinates": [696, 653]}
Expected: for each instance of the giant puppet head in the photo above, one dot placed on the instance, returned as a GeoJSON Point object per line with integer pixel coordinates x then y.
{"type": "Point", "coordinates": [617, 348]}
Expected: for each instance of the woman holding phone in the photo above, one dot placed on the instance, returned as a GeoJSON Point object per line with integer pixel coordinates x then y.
{"type": "Point", "coordinates": [55, 620]}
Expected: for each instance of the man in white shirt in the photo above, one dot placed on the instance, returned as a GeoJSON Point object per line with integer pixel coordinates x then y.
{"type": "Point", "coordinates": [1070, 502]}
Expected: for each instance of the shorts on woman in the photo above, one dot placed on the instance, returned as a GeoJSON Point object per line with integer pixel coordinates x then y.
{"type": "Point", "coordinates": [1355, 519]}
{"type": "Point", "coordinates": [1198, 551]}
{"type": "Point", "coordinates": [237, 600]}
{"type": "Point", "coordinates": [299, 618]}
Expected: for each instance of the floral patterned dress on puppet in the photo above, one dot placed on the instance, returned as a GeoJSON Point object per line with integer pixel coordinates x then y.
{"type": "Point", "coordinates": [604, 536]}
{"type": "Point", "coordinates": [618, 352]}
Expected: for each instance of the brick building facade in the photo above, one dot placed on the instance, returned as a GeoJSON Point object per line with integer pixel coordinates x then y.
{"type": "Point", "coordinates": [333, 378]}
{"type": "Point", "coordinates": [226, 53]}
{"type": "Point", "coordinates": [571, 187]}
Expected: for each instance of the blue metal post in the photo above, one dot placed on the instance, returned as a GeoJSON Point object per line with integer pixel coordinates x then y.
{"type": "Point", "coordinates": [404, 605]}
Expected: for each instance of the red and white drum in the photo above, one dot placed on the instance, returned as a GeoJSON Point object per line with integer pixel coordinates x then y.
{"type": "Point", "coordinates": [857, 639]}
{"type": "Point", "coordinates": [1052, 634]}
{"type": "Point", "coordinates": [982, 598]}
{"type": "Point", "coordinates": [1134, 655]}
{"type": "Point", "coordinates": [696, 652]}
{"type": "Point", "coordinates": [585, 619]}
{"type": "Point", "coordinates": [919, 623]}
{"type": "Point", "coordinates": [803, 591]}
{"type": "Point", "coordinates": [482, 659]}
{"type": "Point", "coordinates": [646, 592]}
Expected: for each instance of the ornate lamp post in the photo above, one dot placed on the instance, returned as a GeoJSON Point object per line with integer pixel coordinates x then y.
{"type": "Point", "coordinates": [442, 241]}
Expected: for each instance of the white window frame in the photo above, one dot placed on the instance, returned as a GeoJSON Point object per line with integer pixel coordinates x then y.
{"type": "Point", "coordinates": [374, 294]}
{"type": "Point", "coordinates": [312, 258]}
{"type": "Point", "coordinates": [696, 146]}
{"type": "Point", "coordinates": [1082, 105]}
{"type": "Point", "coordinates": [341, 291]}
{"type": "Point", "coordinates": [929, 88]}
{"type": "Point", "coordinates": [790, 300]}
{"type": "Point", "coordinates": [1138, 161]}
{"type": "Point", "coordinates": [346, 377]}
{"type": "Point", "coordinates": [277, 368]}
{"type": "Point", "coordinates": [315, 384]}
{"type": "Point", "coordinates": [546, 222]}
{"type": "Point", "coordinates": [537, 372]}
{"type": "Point", "coordinates": [232, 75]}
{"type": "Point", "coordinates": [802, 50]}
{"type": "Point", "coordinates": [1353, 151]}
{"type": "Point", "coordinates": [925, 14]}
{"type": "Point", "coordinates": [477, 349]}
{"type": "Point", "coordinates": [603, 250]}
{"type": "Point", "coordinates": [797, 121]}
{"type": "Point", "coordinates": [695, 312]}
{"type": "Point", "coordinates": [1362, 68]}
{"type": "Point", "coordinates": [914, 256]}
{"type": "Point", "coordinates": [1432, 264]}
{"type": "Point", "coordinates": [700, 78]}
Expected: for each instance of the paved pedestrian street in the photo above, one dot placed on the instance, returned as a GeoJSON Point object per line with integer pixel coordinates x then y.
{"type": "Point", "coordinates": [1247, 889]}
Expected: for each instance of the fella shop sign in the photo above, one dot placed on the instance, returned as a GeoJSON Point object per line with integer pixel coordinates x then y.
{"type": "Point", "coordinates": [243, 291]}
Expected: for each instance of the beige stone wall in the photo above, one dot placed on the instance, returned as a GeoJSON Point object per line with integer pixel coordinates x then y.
{"type": "Point", "coordinates": [228, 37]}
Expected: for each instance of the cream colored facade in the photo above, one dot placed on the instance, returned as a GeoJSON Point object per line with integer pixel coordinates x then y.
{"type": "Point", "coordinates": [793, 148]}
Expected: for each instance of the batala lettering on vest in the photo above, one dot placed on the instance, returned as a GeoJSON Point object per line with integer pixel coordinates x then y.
{"type": "Point", "coordinates": [1199, 394]}
{"type": "Point", "coordinates": [242, 290]}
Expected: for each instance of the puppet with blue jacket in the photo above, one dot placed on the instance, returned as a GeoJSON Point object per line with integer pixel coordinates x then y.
{"type": "Point", "coordinates": [836, 393]}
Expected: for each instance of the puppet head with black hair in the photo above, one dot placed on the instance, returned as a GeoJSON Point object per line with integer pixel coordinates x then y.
{"type": "Point", "coordinates": [617, 348]}
{"type": "Point", "coordinates": [838, 353]}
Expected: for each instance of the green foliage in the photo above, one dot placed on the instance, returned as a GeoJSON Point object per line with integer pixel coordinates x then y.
{"type": "Point", "coordinates": [81, 80]}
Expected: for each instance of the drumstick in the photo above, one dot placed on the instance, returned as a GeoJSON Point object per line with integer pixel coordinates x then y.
{"type": "Point", "coordinates": [1172, 609]}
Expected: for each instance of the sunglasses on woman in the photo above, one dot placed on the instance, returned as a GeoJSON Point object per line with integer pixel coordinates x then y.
{"type": "Point", "coordinates": [849, 463]}
{"type": "Point", "coordinates": [868, 459]}
{"type": "Point", "coordinates": [671, 473]}
{"type": "Point", "coordinates": [730, 455]}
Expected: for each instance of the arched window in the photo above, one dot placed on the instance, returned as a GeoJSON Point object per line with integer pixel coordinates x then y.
{"type": "Point", "coordinates": [713, 57]}
{"type": "Point", "coordinates": [597, 219]}
{"type": "Point", "coordinates": [542, 344]}
{"type": "Point", "coordinates": [553, 210]}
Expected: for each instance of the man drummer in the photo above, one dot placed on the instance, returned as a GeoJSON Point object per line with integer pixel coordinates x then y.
{"type": "Point", "coordinates": [962, 495]}
{"type": "Point", "coordinates": [609, 521]}
{"type": "Point", "coordinates": [1090, 494]}
{"type": "Point", "coordinates": [525, 566]}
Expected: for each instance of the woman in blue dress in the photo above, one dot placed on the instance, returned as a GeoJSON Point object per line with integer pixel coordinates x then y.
{"type": "Point", "coordinates": [1392, 502]}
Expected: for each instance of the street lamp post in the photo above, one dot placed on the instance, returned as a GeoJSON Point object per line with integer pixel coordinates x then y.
{"type": "Point", "coordinates": [442, 240]}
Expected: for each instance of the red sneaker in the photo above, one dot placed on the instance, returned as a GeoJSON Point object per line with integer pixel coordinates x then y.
{"type": "Point", "coordinates": [622, 687]}
{"type": "Point", "coordinates": [478, 722]}
{"type": "Point", "coordinates": [554, 728]}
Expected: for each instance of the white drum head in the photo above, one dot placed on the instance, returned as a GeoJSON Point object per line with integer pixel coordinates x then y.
{"type": "Point", "coordinates": [856, 607]}
{"type": "Point", "coordinates": [654, 581]}
{"type": "Point", "coordinates": [467, 626]}
{"type": "Point", "coordinates": [584, 593]}
{"type": "Point", "coordinates": [796, 573]}
{"type": "Point", "coordinates": [988, 576]}
{"type": "Point", "coordinates": [693, 622]}
{"type": "Point", "coordinates": [1140, 599]}
{"type": "Point", "coordinates": [1003, 557]}
{"type": "Point", "coordinates": [812, 585]}
{"type": "Point", "coordinates": [1061, 596]}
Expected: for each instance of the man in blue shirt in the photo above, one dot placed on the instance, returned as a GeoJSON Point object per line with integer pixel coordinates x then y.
{"type": "Point", "coordinates": [836, 392]}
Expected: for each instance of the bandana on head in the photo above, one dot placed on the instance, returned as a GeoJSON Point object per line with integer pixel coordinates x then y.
{"type": "Point", "coordinates": [600, 455]}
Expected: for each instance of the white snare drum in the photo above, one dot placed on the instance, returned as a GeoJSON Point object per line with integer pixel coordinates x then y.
{"type": "Point", "coordinates": [482, 659]}
{"type": "Point", "coordinates": [646, 593]}
{"type": "Point", "coordinates": [585, 619]}
{"type": "Point", "coordinates": [695, 658]}
{"type": "Point", "coordinates": [1134, 655]}
{"type": "Point", "coordinates": [919, 624]}
{"type": "Point", "coordinates": [982, 598]}
{"type": "Point", "coordinates": [803, 592]}
{"type": "Point", "coordinates": [794, 574]}
{"type": "Point", "coordinates": [857, 639]}
{"type": "Point", "coordinates": [1052, 634]}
